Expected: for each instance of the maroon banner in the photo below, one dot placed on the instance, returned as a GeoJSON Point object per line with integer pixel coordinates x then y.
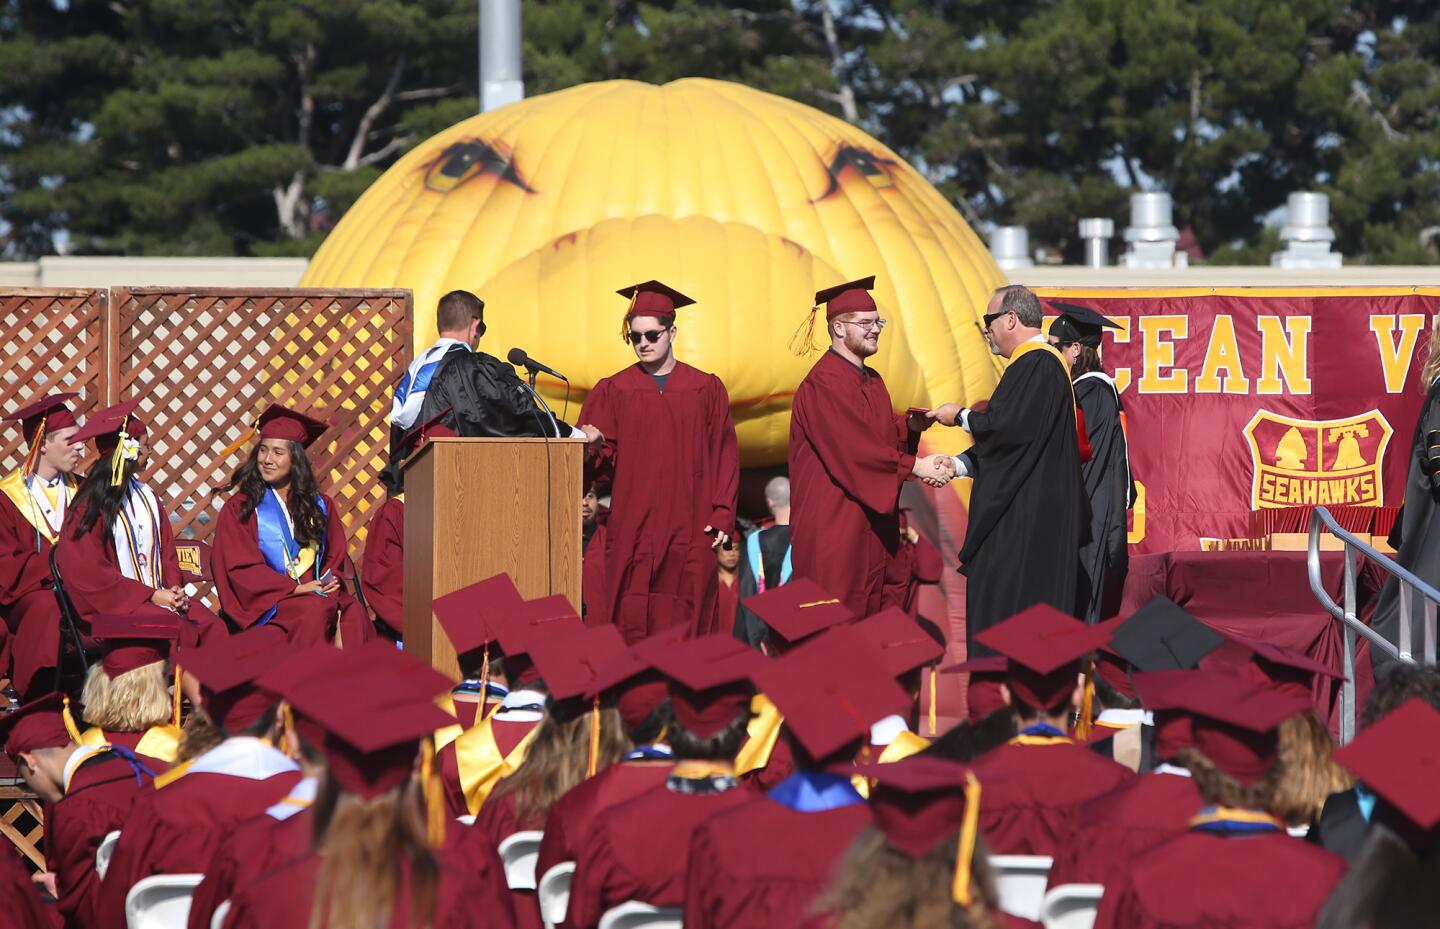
{"type": "Point", "coordinates": [1243, 399]}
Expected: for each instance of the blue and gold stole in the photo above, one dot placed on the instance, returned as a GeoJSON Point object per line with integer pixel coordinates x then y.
{"type": "Point", "coordinates": [277, 543]}
{"type": "Point", "coordinates": [1233, 821]}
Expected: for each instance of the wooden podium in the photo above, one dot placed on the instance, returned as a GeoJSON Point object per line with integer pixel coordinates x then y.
{"type": "Point", "coordinates": [480, 507]}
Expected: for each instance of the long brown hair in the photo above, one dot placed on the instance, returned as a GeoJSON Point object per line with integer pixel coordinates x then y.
{"type": "Point", "coordinates": [880, 887]}
{"type": "Point", "coordinates": [1311, 774]}
{"type": "Point", "coordinates": [558, 757]}
{"type": "Point", "coordinates": [369, 849]}
{"type": "Point", "coordinates": [1217, 787]}
{"type": "Point", "coordinates": [1086, 361]}
{"type": "Point", "coordinates": [310, 520]}
{"type": "Point", "coordinates": [1432, 357]}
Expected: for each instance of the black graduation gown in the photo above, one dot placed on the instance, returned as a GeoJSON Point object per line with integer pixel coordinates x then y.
{"type": "Point", "coordinates": [774, 543]}
{"type": "Point", "coordinates": [1105, 558]}
{"type": "Point", "coordinates": [1419, 527]}
{"type": "Point", "coordinates": [1028, 506]}
{"type": "Point", "coordinates": [485, 398]}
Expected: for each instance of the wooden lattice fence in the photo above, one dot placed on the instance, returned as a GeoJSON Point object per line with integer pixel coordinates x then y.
{"type": "Point", "coordinates": [204, 363]}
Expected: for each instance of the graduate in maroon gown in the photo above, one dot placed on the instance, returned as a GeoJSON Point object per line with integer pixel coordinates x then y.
{"type": "Point", "coordinates": [1114, 828]}
{"type": "Point", "coordinates": [116, 552]}
{"type": "Point", "coordinates": [280, 556]}
{"type": "Point", "coordinates": [1235, 865]}
{"type": "Point", "coordinates": [849, 456]}
{"type": "Point", "coordinates": [128, 699]}
{"type": "Point", "coordinates": [628, 682]}
{"type": "Point", "coordinates": [637, 851]}
{"type": "Point", "coordinates": [790, 614]}
{"type": "Point", "coordinates": [1042, 775]}
{"type": "Point", "coordinates": [379, 842]}
{"type": "Point", "coordinates": [919, 562]}
{"type": "Point", "coordinates": [33, 502]}
{"type": "Point", "coordinates": [661, 430]}
{"type": "Point", "coordinates": [922, 856]}
{"type": "Point", "coordinates": [763, 865]}
{"type": "Point", "coordinates": [382, 571]}
{"type": "Point", "coordinates": [484, 621]}
{"type": "Point", "coordinates": [196, 804]}
{"type": "Point", "coordinates": [88, 791]}
{"type": "Point", "coordinates": [593, 521]}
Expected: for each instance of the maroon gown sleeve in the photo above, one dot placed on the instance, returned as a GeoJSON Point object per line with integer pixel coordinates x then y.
{"type": "Point", "coordinates": [71, 838]}
{"type": "Point", "coordinates": [20, 901]}
{"type": "Point", "coordinates": [246, 584]}
{"type": "Point", "coordinates": [24, 567]}
{"type": "Point", "coordinates": [703, 882]}
{"type": "Point", "coordinates": [926, 566]}
{"type": "Point", "coordinates": [592, 883]}
{"type": "Point", "coordinates": [868, 467]}
{"type": "Point", "coordinates": [129, 863]}
{"type": "Point", "coordinates": [354, 625]}
{"type": "Point", "coordinates": [383, 566]}
{"type": "Point", "coordinates": [91, 574]}
{"type": "Point", "coordinates": [724, 460]}
{"type": "Point", "coordinates": [600, 456]}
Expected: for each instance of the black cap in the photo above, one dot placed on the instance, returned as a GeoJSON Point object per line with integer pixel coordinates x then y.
{"type": "Point", "coordinates": [1079, 324]}
{"type": "Point", "coordinates": [1161, 636]}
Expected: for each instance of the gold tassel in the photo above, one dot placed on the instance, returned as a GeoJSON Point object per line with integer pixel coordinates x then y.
{"type": "Point", "coordinates": [236, 445]}
{"type": "Point", "coordinates": [934, 670]}
{"type": "Point", "coordinates": [594, 760]}
{"type": "Point", "coordinates": [434, 793]}
{"type": "Point", "coordinates": [175, 698]}
{"type": "Point", "coordinates": [32, 459]}
{"type": "Point", "coordinates": [69, 718]}
{"type": "Point", "coordinates": [1087, 703]}
{"type": "Point", "coordinates": [117, 460]}
{"type": "Point", "coordinates": [625, 322]}
{"type": "Point", "coordinates": [802, 343]}
{"type": "Point", "coordinates": [965, 853]}
{"type": "Point", "coordinates": [485, 677]}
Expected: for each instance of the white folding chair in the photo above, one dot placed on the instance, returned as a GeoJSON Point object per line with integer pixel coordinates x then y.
{"type": "Point", "coordinates": [105, 852]}
{"type": "Point", "coordinates": [633, 914]}
{"type": "Point", "coordinates": [1071, 906]}
{"type": "Point", "coordinates": [217, 919]}
{"type": "Point", "coordinates": [161, 901]}
{"type": "Point", "coordinates": [1020, 880]}
{"type": "Point", "coordinates": [554, 893]}
{"type": "Point", "coordinates": [519, 853]}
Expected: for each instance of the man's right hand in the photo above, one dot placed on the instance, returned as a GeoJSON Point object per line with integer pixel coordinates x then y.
{"type": "Point", "coordinates": [946, 413]}
{"type": "Point", "coordinates": [935, 470]}
{"type": "Point", "coordinates": [592, 435]}
{"type": "Point", "coordinates": [166, 599]}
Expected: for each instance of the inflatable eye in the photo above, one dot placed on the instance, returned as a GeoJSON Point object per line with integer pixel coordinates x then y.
{"type": "Point", "coordinates": [868, 165]}
{"type": "Point", "coordinates": [463, 161]}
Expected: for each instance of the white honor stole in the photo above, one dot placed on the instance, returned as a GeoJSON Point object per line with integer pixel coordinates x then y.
{"type": "Point", "coordinates": [52, 511]}
{"type": "Point", "coordinates": [137, 536]}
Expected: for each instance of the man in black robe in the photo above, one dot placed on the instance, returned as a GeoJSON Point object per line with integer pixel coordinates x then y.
{"type": "Point", "coordinates": [1028, 513]}
{"type": "Point", "coordinates": [1108, 483]}
{"type": "Point", "coordinates": [484, 395]}
{"type": "Point", "coordinates": [1418, 529]}
{"type": "Point", "coordinates": [764, 561]}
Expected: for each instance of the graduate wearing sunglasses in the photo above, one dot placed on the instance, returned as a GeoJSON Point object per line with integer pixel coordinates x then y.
{"type": "Point", "coordinates": [661, 430]}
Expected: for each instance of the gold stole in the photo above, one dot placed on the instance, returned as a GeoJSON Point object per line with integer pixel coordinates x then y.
{"type": "Point", "coordinates": [763, 732]}
{"type": "Point", "coordinates": [1026, 347]}
{"type": "Point", "coordinates": [481, 765]}
{"type": "Point", "coordinates": [906, 744]}
{"type": "Point", "coordinates": [162, 742]}
{"type": "Point", "coordinates": [13, 486]}
{"type": "Point", "coordinates": [444, 737]}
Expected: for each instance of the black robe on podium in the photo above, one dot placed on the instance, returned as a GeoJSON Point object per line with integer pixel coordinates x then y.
{"type": "Point", "coordinates": [1111, 491]}
{"type": "Point", "coordinates": [1028, 510]}
{"type": "Point", "coordinates": [1418, 528]}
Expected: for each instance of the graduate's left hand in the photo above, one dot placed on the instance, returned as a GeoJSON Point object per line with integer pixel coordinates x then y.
{"type": "Point", "coordinates": [720, 537]}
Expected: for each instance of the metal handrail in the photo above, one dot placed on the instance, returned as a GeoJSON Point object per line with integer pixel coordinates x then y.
{"type": "Point", "coordinates": [1320, 518]}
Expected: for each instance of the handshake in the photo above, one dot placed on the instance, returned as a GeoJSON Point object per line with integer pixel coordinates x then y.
{"type": "Point", "coordinates": [935, 470]}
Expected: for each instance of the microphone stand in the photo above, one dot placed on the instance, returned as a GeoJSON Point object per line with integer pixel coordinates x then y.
{"type": "Point", "coordinates": [554, 426]}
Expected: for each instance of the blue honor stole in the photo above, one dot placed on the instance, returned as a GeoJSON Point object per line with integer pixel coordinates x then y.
{"type": "Point", "coordinates": [277, 541]}
{"type": "Point", "coordinates": [815, 792]}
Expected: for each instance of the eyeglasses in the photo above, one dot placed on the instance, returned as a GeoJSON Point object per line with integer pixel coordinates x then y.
{"type": "Point", "coordinates": [652, 336]}
{"type": "Point", "coordinates": [866, 324]}
{"type": "Point", "coordinates": [991, 317]}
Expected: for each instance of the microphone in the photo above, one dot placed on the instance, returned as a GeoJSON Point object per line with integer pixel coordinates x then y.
{"type": "Point", "coordinates": [519, 359]}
